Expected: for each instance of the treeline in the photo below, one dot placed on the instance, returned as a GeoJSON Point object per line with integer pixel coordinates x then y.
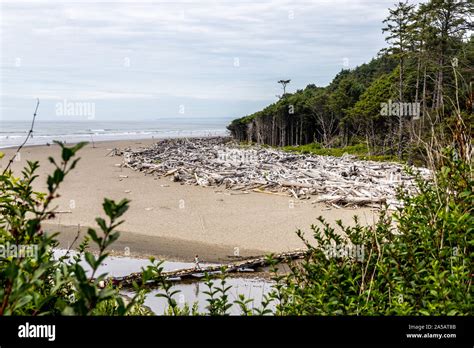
{"type": "Point", "coordinates": [411, 90]}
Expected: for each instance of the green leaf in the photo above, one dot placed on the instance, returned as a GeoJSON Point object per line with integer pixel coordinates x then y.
{"type": "Point", "coordinates": [90, 260]}
{"type": "Point", "coordinates": [93, 234]}
{"type": "Point", "coordinates": [67, 153]}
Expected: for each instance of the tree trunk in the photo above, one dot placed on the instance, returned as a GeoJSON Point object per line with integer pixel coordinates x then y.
{"type": "Point", "coordinates": [400, 116]}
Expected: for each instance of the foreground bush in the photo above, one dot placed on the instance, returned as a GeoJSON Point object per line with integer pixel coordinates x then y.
{"type": "Point", "coordinates": [32, 280]}
{"type": "Point", "coordinates": [417, 262]}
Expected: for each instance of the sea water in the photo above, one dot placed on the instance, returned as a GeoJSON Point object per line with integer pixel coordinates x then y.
{"type": "Point", "coordinates": [13, 133]}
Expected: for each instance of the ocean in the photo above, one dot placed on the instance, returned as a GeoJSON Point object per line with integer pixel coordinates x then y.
{"type": "Point", "coordinates": [13, 133]}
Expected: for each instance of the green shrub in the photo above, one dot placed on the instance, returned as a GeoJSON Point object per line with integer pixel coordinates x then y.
{"type": "Point", "coordinates": [33, 281]}
{"type": "Point", "coordinates": [417, 262]}
{"type": "Point", "coordinates": [360, 150]}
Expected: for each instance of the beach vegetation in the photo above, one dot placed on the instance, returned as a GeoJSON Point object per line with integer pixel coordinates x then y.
{"type": "Point", "coordinates": [36, 282]}
{"type": "Point", "coordinates": [417, 261]}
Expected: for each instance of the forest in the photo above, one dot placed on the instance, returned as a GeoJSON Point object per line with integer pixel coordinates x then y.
{"type": "Point", "coordinates": [393, 105]}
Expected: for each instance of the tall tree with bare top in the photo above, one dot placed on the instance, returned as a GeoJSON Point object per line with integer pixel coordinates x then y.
{"type": "Point", "coordinates": [399, 29]}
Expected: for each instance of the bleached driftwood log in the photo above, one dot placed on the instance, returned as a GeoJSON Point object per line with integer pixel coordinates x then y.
{"type": "Point", "coordinates": [221, 162]}
{"type": "Point", "coordinates": [251, 264]}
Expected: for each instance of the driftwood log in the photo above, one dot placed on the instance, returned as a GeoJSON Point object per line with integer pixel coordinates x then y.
{"type": "Point", "coordinates": [222, 162]}
{"type": "Point", "coordinates": [196, 274]}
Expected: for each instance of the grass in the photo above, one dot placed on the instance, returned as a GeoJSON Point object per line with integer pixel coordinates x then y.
{"type": "Point", "coordinates": [359, 150]}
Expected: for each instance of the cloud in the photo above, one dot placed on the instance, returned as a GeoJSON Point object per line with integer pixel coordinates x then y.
{"type": "Point", "coordinates": [207, 50]}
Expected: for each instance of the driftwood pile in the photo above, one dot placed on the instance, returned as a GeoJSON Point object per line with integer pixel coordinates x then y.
{"type": "Point", "coordinates": [221, 162]}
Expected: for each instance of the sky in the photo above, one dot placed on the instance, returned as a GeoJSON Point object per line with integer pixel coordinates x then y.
{"type": "Point", "coordinates": [145, 60]}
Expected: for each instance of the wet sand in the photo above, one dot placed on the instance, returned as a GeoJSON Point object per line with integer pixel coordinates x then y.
{"type": "Point", "coordinates": [172, 220]}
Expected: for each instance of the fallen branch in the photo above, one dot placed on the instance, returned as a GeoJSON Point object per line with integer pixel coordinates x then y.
{"type": "Point", "coordinates": [30, 132]}
{"type": "Point", "coordinates": [192, 273]}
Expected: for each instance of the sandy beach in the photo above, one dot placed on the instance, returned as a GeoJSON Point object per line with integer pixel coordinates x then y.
{"type": "Point", "coordinates": [172, 220]}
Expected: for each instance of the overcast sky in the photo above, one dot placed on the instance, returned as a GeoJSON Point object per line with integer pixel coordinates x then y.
{"type": "Point", "coordinates": [152, 59]}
